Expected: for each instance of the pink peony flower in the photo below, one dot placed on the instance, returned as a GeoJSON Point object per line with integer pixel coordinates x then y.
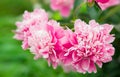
{"type": "Point", "coordinates": [107, 3]}
{"type": "Point", "coordinates": [35, 18]}
{"type": "Point", "coordinates": [45, 42]}
{"type": "Point", "coordinates": [64, 6]}
{"type": "Point", "coordinates": [90, 46]}
{"type": "Point", "coordinates": [40, 35]}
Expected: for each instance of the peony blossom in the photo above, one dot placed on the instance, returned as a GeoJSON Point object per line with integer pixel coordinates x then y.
{"type": "Point", "coordinates": [90, 44]}
{"type": "Point", "coordinates": [45, 42]}
{"type": "Point", "coordinates": [40, 35]}
{"type": "Point", "coordinates": [64, 6]}
{"type": "Point", "coordinates": [107, 3]}
{"type": "Point", "coordinates": [34, 18]}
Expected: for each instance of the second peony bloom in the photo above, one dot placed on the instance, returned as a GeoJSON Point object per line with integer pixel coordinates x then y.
{"type": "Point", "coordinates": [90, 44]}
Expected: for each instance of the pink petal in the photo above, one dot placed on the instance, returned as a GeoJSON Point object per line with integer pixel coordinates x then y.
{"type": "Point", "coordinates": [79, 67]}
{"type": "Point", "coordinates": [102, 1]}
{"type": "Point", "coordinates": [92, 67]}
{"type": "Point", "coordinates": [99, 64]}
{"type": "Point", "coordinates": [65, 11]}
{"type": "Point", "coordinates": [85, 63]}
{"type": "Point", "coordinates": [75, 57]}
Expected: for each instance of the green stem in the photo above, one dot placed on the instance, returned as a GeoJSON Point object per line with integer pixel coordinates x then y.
{"type": "Point", "coordinates": [75, 11]}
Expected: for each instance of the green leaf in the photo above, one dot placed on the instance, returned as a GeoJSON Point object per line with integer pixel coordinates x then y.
{"type": "Point", "coordinates": [56, 16]}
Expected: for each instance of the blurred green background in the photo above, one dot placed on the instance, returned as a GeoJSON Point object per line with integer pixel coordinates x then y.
{"type": "Point", "coordinates": [15, 62]}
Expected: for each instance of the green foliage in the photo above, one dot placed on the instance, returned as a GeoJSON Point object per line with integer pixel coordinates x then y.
{"type": "Point", "coordinates": [15, 62]}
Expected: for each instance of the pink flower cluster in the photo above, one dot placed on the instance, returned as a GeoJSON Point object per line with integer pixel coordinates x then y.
{"type": "Point", "coordinates": [80, 50]}
{"type": "Point", "coordinates": [40, 35]}
{"type": "Point", "coordinates": [64, 6]}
